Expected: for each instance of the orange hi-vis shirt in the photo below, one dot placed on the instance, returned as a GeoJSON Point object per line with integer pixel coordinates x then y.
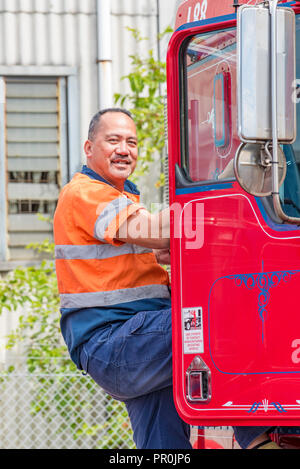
{"type": "Point", "coordinates": [101, 279]}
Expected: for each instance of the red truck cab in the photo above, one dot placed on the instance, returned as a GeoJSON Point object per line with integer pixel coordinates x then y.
{"type": "Point", "coordinates": [233, 261]}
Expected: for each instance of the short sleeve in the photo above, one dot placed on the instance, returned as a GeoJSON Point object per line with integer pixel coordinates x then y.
{"type": "Point", "coordinates": [112, 217]}
{"type": "Point", "coordinates": [100, 210]}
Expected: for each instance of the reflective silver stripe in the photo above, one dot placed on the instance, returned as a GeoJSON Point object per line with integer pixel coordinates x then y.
{"type": "Point", "coordinates": [89, 300]}
{"type": "Point", "coordinates": [97, 251]}
{"type": "Point", "coordinates": [109, 213]}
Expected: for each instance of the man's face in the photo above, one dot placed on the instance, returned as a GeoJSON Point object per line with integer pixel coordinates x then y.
{"type": "Point", "coordinates": [113, 152]}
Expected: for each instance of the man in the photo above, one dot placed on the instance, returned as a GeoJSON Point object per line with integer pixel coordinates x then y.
{"type": "Point", "coordinates": [115, 299]}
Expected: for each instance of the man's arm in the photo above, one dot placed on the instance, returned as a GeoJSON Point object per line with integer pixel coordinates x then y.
{"type": "Point", "coordinates": [146, 229]}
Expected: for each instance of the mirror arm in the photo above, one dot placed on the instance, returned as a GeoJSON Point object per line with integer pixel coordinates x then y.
{"type": "Point", "coordinates": [280, 213]}
{"type": "Point", "coordinates": [275, 174]}
{"type": "Point", "coordinates": [273, 13]}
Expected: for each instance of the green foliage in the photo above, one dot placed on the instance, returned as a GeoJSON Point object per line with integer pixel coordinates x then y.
{"type": "Point", "coordinates": [146, 104]}
{"type": "Point", "coordinates": [33, 291]}
{"type": "Point", "coordinates": [45, 247]}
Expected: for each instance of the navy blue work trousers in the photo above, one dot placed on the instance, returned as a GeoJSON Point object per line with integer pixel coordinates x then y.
{"type": "Point", "coordinates": [132, 362]}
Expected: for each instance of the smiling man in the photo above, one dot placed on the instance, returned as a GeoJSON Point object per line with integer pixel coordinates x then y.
{"type": "Point", "coordinates": [115, 296]}
{"type": "Point", "coordinates": [112, 147]}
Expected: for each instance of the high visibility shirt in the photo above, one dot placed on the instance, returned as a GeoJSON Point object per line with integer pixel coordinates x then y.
{"type": "Point", "coordinates": [100, 279]}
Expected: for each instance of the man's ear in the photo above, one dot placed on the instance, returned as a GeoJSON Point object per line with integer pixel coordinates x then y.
{"type": "Point", "coordinates": [88, 148]}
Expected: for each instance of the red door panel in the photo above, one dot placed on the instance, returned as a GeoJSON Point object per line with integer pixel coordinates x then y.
{"type": "Point", "coordinates": [235, 273]}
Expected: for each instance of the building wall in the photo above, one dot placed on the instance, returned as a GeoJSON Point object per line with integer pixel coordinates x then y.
{"type": "Point", "coordinates": [48, 39]}
{"type": "Point", "coordinates": [51, 34]}
{"type": "Point", "coordinates": [45, 40]}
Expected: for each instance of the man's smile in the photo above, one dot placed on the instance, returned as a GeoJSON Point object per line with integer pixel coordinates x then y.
{"type": "Point", "coordinates": [121, 162]}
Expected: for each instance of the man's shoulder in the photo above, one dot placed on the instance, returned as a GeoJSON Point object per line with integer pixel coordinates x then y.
{"type": "Point", "coordinates": [83, 188]}
{"type": "Point", "coordinates": [83, 191]}
{"type": "Point", "coordinates": [80, 183]}
{"type": "Point", "coordinates": [83, 182]}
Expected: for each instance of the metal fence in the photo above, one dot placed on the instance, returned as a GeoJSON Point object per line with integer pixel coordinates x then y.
{"type": "Point", "coordinates": [47, 404]}
{"type": "Point", "coordinates": [44, 405]}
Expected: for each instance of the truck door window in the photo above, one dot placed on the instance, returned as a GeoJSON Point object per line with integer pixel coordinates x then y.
{"type": "Point", "coordinates": [209, 115]}
{"type": "Point", "coordinates": [290, 190]}
{"type": "Point", "coordinates": [209, 62]}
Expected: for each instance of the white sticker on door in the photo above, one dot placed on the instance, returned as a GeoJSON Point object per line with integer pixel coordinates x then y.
{"type": "Point", "coordinates": [192, 330]}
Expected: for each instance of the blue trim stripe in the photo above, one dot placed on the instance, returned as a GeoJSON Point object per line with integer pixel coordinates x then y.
{"type": "Point", "coordinates": [210, 187]}
{"type": "Point", "coordinates": [217, 19]}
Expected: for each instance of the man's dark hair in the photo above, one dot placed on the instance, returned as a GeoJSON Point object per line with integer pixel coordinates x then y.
{"type": "Point", "coordinates": [96, 119]}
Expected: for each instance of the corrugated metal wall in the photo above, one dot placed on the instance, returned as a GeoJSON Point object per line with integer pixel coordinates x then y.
{"type": "Point", "coordinates": [63, 33]}
{"type": "Point", "coordinates": [53, 33]}
{"type": "Point", "coordinates": [52, 30]}
{"type": "Point", "coordinates": [41, 35]}
{"type": "Point", "coordinates": [141, 15]}
{"type": "Point", "coordinates": [58, 38]}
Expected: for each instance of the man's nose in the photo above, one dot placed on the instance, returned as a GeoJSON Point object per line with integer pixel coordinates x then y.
{"type": "Point", "coordinates": [122, 148]}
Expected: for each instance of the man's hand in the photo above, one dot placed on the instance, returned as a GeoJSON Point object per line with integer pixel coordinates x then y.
{"type": "Point", "coordinates": [163, 256]}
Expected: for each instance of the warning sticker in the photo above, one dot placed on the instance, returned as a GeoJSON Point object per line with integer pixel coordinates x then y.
{"type": "Point", "coordinates": [192, 330]}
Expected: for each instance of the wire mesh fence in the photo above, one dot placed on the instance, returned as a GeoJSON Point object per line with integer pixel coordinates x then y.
{"type": "Point", "coordinates": [44, 405]}
{"type": "Point", "coordinates": [48, 404]}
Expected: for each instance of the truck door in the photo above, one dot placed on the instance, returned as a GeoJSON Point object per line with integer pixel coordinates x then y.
{"type": "Point", "coordinates": [235, 267]}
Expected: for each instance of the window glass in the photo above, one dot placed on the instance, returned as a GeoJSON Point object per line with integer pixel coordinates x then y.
{"type": "Point", "coordinates": [210, 91]}
{"type": "Point", "coordinates": [290, 190]}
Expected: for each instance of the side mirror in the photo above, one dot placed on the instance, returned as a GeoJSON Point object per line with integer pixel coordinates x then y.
{"type": "Point", "coordinates": [254, 66]}
{"type": "Point", "coordinates": [266, 109]}
{"type": "Point", "coordinates": [253, 168]}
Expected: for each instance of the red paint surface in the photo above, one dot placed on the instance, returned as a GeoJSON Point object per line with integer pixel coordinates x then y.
{"type": "Point", "coordinates": [249, 349]}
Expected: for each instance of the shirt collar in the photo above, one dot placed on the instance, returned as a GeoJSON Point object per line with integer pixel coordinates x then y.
{"type": "Point", "coordinates": [128, 186]}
